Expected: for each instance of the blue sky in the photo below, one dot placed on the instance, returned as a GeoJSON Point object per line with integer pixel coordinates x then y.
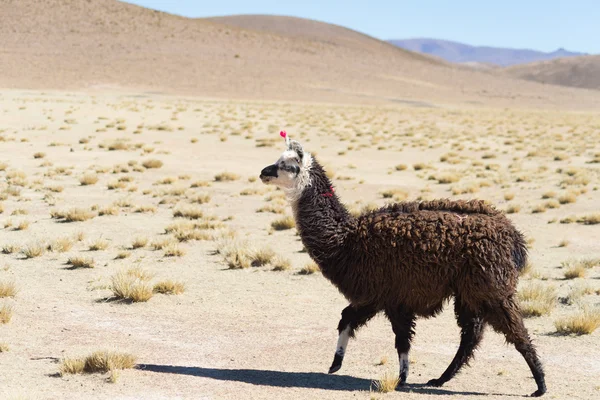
{"type": "Point", "coordinates": [536, 24]}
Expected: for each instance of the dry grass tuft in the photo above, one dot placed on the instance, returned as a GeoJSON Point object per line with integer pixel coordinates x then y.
{"type": "Point", "coordinates": [513, 208]}
{"type": "Point", "coordinates": [33, 250]}
{"type": "Point", "coordinates": [384, 360]}
{"type": "Point", "coordinates": [584, 322]}
{"type": "Point", "coordinates": [4, 348]}
{"type": "Point", "coordinates": [574, 270]}
{"type": "Point", "coordinates": [161, 244]}
{"type": "Point", "coordinates": [145, 209]}
{"type": "Point", "coordinates": [309, 269]}
{"type": "Point", "coordinates": [226, 177]}
{"type": "Point", "coordinates": [6, 313]}
{"type": "Point", "coordinates": [73, 215]}
{"type": "Point", "coordinates": [61, 245]}
{"type": "Point", "coordinates": [10, 248]}
{"type": "Point", "coordinates": [88, 179]}
{"type": "Point", "coordinates": [122, 255]}
{"type": "Point", "coordinates": [98, 244]}
{"type": "Point", "coordinates": [21, 226]}
{"type": "Point", "coordinates": [387, 383]}
{"type": "Point", "coordinates": [139, 242]}
{"type": "Point", "coordinates": [152, 163]}
{"type": "Point", "coordinates": [261, 257]}
{"type": "Point", "coordinates": [200, 199]}
{"type": "Point", "coordinates": [169, 287]}
{"type": "Point", "coordinates": [396, 194]}
{"type": "Point", "coordinates": [281, 264]}
{"type": "Point", "coordinates": [189, 212]}
{"type": "Point", "coordinates": [8, 289]}
{"type": "Point", "coordinates": [592, 219]}
{"type": "Point", "coordinates": [537, 299]}
{"type": "Point", "coordinates": [509, 196]}
{"type": "Point", "coordinates": [567, 198]}
{"type": "Point", "coordinates": [283, 223]}
{"type": "Point", "coordinates": [173, 250]}
{"type": "Point", "coordinates": [97, 362]}
{"type": "Point", "coordinates": [81, 262]}
{"type": "Point", "coordinates": [132, 285]}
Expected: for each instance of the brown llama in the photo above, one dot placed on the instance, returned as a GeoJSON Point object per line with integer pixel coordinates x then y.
{"type": "Point", "coordinates": [408, 259]}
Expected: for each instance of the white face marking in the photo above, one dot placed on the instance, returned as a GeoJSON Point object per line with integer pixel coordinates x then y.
{"type": "Point", "coordinates": [287, 179]}
{"type": "Point", "coordinates": [343, 339]}
{"type": "Point", "coordinates": [404, 364]}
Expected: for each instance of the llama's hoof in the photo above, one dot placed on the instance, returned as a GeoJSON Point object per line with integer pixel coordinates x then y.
{"type": "Point", "coordinates": [401, 384]}
{"type": "Point", "coordinates": [337, 364]}
{"type": "Point", "coordinates": [538, 393]}
{"type": "Point", "coordinates": [334, 368]}
{"type": "Point", "coordinates": [435, 382]}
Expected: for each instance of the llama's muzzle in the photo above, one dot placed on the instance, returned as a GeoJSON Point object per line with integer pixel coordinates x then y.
{"type": "Point", "coordinates": [268, 172]}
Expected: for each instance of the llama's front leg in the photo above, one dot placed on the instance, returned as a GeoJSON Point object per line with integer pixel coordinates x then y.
{"type": "Point", "coordinates": [352, 318]}
{"type": "Point", "coordinates": [403, 325]}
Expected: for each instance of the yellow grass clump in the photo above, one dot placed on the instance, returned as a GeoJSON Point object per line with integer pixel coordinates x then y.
{"type": "Point", "coordinates": [81, 262]}
{"type": "Point", "coordinates": [88, 179]}
{"type": "Point", "coordinates": [513, 208]}
{"type": "Point", "coordinates": [574, 270]}
{"type": "Point", "coordinates": [61, 245]}
{"type": "Point", "coordinates": [98, 244]}
{"type": "Point", "coordinates": [33, 250]}
{"type": "Point", "coordinates": [226, 177]}
{"type": "Point", "coordinates": [169, 287]}
{"type": "Point", "coordinates": [309, 269]}
{"type": "Point", "coordinates": [97, 362]}
{"type": "Point", "coordinates": [73, 215]}
{"type": "Point", "coordinates": [139, 242]}
{"type": "Point", "coordinates": [283, 223]}
{"type": "Point", "coordinates": [189, 212]}
{"type": "Point", "coordinates": [584, 322]}
{"type": "Point", "coordinates": [281, 264]}
{"type": "Point", "coordinates": [152, 163]}
{"type": "Point", "coordinates": [387, 383]}
{"type": "Point", "coordinates": [537, 299]}
{"type": "Point", "coordinates": [6, 313]}
{"type": "Point", "coordinates": [173, 250]}
{"type": "Point", "coordinates": [8, 289]}
{"type": "Point", "coordinates": [132, 285]}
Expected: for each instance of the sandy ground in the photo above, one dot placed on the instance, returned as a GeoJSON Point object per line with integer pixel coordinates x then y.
{"type": "Point", "coordinates": [257, 333]}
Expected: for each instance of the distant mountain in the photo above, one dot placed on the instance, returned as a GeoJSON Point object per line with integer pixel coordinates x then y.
{"type": "Point", "coordinates": [582, 72]}
{"type": "Point", "coordinates": [464, 53]}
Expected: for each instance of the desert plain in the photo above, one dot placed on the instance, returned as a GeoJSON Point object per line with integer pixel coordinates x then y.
{"type": "Point", "coordinates": [168, 186]}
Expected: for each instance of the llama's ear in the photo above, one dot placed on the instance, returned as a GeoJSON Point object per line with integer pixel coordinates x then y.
{"type": "Point", "coordinates": [297, 147]}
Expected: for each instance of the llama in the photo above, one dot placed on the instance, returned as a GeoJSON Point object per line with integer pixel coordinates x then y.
{"type": "Point", "coordinates": [407, 260]}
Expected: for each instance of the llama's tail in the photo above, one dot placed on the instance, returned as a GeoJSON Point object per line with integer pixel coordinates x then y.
{"type": "Point", "coordinates": [519, 251]}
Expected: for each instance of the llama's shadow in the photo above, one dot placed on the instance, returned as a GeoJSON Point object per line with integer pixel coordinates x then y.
{"type": "Point", "coordinates": [307, 380]}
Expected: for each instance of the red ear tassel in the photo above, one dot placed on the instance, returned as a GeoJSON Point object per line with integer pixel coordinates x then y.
{"type": "Point", "coordinates": [283, 134]}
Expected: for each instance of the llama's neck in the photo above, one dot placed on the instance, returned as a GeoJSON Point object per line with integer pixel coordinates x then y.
{"type": "Point", "coordinates": [323, 222]}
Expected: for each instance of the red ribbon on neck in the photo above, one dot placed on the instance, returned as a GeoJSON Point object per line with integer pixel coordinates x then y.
{"type": "Point", "coordinates": [329, 194]}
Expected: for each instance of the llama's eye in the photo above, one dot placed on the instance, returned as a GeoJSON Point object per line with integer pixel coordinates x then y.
{"type": "Point", "coordinates": [298, 160]}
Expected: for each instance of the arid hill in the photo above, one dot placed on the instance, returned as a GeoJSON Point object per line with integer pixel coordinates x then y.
{"type": "Point", "coordinates": [582, 72]}
{"type": "Point", "coordinates": [108, 45]}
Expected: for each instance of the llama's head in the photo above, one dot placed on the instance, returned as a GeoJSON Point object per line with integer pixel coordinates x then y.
{"type": "Point", "coordinates": [291, 171]}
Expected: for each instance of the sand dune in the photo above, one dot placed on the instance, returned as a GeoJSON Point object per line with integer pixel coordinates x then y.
{"type": "Point", "coordinates": [582, 72]}
{"type": "Point", "coordinates": [110, 45]}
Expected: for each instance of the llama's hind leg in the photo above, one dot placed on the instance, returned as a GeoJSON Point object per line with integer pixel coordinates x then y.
{"type": "Point", "coordinates": [506, 318]}
{"type": "Point", "coordinates": [352, 319]}
{"type": "Point", "coordinates": [471, 325]}
{"type": "Point", "coordinates": [403, 325]}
